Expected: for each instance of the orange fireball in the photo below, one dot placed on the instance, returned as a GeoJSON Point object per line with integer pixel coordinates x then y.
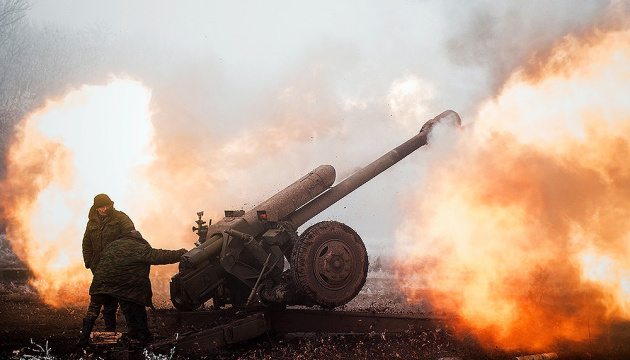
{"type": "Point", "coordinates": [522, 227]}
{"type": "Point", "coordinates": [93, 140]}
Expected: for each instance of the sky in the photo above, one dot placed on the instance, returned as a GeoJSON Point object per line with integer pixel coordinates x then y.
{"type": "Point", "coordinates": [354, 79]}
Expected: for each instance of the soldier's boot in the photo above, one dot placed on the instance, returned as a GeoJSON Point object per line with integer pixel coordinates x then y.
{"type": "Point", "coordinates": [84, 340]}
{"type": "Point", "coordinates": [110, 321]}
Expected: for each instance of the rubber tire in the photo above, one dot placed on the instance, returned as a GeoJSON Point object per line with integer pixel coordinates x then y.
{"type": "Point", "coordinates": [322, 244]}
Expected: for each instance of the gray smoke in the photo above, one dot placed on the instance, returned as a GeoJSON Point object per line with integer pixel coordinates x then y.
{"type": "Point", "coordinates": [318, 79]}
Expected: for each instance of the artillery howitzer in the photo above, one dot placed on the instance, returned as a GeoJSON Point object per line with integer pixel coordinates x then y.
{"type": "Point", "coordinates": [240, 260]}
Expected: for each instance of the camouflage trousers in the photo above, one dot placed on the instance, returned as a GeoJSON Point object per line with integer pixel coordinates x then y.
{"type": "Point", "coordinates": [136, 318]}
{"type": "Point", "coordinates": [109, 304]}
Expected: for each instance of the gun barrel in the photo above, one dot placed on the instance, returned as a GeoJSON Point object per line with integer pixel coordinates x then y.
{"type": "Point", "coordinates": [276, 207]}
{"type": "Point", "coordinates": [295, 195]}
{"type": "Point", "coordinates": [339, 191]}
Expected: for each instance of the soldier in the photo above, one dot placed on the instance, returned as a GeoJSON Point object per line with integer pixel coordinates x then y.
{"type": "Point", "coordinates": [104, 225]}
{"type": "Point", "coordinates": [123, 273]}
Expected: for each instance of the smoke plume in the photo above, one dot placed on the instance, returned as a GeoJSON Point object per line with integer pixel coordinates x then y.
{"type": "Point", "coordinates": [232, 106]}
{"type": "Point", "coordinates": [521, 227]}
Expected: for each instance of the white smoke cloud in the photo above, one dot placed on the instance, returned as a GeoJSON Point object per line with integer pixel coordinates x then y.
{"type": "Point", "coordinates": [324, 82]}
{"type": "Point", "coordinates": [408, 98]}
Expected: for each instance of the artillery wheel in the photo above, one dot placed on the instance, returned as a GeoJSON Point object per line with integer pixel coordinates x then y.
{"type": "Point", "coordinates": [329, 263]}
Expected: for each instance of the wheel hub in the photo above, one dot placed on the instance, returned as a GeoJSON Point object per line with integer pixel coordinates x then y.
{"type": "Point", "coordinates": [333, 264]}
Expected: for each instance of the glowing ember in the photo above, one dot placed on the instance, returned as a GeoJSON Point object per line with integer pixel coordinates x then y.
{"type": "Point", "coordinates": [522, 227]}
{"type": "Point", "coordinates": [93, 140]}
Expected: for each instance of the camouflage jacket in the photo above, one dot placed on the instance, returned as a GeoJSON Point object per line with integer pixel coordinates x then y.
{"type": "Point", "coordinates": [124, 268]}
{"type": "Point", "coordinates": [100, 231]}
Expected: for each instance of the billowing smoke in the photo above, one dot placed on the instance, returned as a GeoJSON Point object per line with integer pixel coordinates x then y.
{"type": "Point", "coordinates": [521, 227]}
{"type": "Point", "coordinates": [240, 104]}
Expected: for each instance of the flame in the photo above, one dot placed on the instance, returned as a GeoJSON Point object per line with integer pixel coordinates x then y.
{"type": "Point", "coordinates": [94, 140]}
{"type": "Point", "coordinates": [521, 228]}
{"type": "Point", "coordinates": [137, 147]}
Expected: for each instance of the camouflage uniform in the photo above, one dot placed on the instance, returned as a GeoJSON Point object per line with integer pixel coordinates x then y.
{"type": "Point", "coordinates": [124, 274]}
{"type": "Point", "coordinates": [100, 231]}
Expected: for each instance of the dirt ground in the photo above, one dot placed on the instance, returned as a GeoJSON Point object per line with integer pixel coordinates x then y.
{"type": "Point", "coordinates": [31, 330]}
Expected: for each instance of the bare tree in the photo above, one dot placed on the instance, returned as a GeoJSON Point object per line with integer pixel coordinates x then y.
{"type": "Point", "coordinates": [12, 12]}
{"type": "Point", "coordinates": [37, 62]}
